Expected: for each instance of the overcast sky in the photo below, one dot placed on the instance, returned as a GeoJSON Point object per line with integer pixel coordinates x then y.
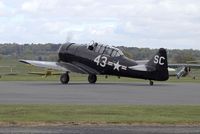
{"type": "Point", "coordinates": [135, 23]}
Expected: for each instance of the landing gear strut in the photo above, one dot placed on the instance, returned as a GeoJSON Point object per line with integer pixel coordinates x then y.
{"type": "Point", "coordinates": [151, 82]}
{"type": "Point", "coordinates": [92, 78]}
{"type": "Point", "coordinates": [64, 78]}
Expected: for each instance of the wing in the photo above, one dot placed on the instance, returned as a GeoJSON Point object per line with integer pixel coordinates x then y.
{"type": "Point", "coordinates": [184, 65]}
{"type": "Point", "coordinates": [45, 64]}
{"type": "Point", "coordinates": [62, 66]}
{"type": "Point", "coordinates": [46, 73]}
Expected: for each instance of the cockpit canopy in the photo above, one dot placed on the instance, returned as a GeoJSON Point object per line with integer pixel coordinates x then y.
{"type": "Point", "coordinates": [106, 50]}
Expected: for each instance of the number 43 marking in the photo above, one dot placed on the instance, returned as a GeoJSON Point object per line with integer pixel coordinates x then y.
{"type": "Point", "coordinates": [101, 60]}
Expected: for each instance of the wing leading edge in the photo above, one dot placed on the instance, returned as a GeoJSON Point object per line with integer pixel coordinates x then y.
{"type": "Point", "coordinates": [184, 65]}
{"type": "Point", "coordinates": [45, 64]}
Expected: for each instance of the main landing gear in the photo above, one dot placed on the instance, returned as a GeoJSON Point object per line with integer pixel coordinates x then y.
{"type": "Point", "coordinates": [64, 78]}
{"type": "Point", "coordinates": [92, 78]}
{"type": "Point", "coordinates": [151, 83]}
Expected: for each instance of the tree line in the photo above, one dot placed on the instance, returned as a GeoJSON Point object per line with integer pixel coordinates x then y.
{"type": "Point", "coordinates": [49, 52]}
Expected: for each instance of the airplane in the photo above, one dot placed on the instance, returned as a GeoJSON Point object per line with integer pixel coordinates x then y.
{"type": "Point", "coordinates": [98, 59]}
{"type": "Point", "coordinates": [45, 73]}
{"type": "Point", "coordinates": [182, 70]}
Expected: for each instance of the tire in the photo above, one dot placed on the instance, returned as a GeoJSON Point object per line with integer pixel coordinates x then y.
{"type": "Point", "coordinates": [151, 83]}
{"type": "Point", "coordinates": [64, 78]}
{"type": "Point", "coordinates": [92, 78]}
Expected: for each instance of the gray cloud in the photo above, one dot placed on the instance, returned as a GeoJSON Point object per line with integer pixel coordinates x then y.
{"type": "Point", "coordinates": [142, 23]}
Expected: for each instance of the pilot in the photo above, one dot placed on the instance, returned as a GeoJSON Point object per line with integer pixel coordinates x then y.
{"type": "Point", "coordinates": [95, 44]}
{"type": "Point", "coordinates": [91, 47]}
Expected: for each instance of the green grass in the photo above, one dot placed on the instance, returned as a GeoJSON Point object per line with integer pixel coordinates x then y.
{"type": "Point", "coordinates": [100, 114]}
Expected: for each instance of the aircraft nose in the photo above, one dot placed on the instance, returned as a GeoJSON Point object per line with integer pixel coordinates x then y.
{"type": "Point", "coordinates": [63, 47]}
{"type": "Point", "coordinates": [60, 48]}
{"type": "Point", "coordinates": [62, 51]}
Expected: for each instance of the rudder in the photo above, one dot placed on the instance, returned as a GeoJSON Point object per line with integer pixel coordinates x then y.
{"type": "Point", "coordinates": [158, 66]}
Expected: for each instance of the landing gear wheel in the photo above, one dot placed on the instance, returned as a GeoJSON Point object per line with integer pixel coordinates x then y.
{"type": "Point", "coordinates": [64, 78]}
{"type": "Point", "coordinates": [92, 78]}
{"type": "Point", "coordinates": [151, 83]}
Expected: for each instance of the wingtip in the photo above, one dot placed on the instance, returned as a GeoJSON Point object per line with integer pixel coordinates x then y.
{"type": "Point", "coordinates": [23, 61]}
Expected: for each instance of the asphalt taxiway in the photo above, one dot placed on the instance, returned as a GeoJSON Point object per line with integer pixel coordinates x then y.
{"type": "Point", "coordinates": [44, 92]}
{"type": "Point", "coordinates": [102, 130]}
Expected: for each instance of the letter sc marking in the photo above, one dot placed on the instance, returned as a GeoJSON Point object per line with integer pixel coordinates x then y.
{"type": "Point", "coordinates": [159, 60]}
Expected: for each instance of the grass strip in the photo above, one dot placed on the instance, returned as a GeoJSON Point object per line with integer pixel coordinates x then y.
{"type": "Point", "coordinates": [100, 114]}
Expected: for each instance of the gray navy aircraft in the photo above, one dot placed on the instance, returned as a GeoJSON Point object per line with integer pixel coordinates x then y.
{"type": "Point", "coordinates": [98, 59]}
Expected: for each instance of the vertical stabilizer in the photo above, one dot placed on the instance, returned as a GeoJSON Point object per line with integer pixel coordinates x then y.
{"type": "Point", "coordinates": [158, 65]}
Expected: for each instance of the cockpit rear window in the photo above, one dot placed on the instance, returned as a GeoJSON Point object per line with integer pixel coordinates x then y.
{"type": "Point", "coordinates": [108, 51]}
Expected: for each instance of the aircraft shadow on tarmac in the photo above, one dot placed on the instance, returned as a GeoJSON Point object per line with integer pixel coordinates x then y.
{"type": "Point", "coordinates": [99, 84]}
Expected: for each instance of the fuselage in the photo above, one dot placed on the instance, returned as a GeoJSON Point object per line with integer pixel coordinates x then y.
{"type": "Point", "coordinates": [104, 60]}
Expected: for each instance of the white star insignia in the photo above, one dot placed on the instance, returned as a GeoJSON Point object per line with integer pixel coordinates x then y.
{"type": "Point", "coordinates": [116, 66]}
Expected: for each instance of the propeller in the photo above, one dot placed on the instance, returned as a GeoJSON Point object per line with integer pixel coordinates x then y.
{"type": "Point", "coordinates": [67, 40]}
{"type": "Point", "coordinates": [69, 37]}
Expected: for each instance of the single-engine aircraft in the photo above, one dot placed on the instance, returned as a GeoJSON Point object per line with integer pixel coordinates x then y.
{"type": "Point", "coordinates": [183, 69]}
{"type": "Point", "coordinates": [98, 59]}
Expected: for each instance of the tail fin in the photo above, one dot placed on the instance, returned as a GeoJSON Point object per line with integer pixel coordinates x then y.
{"type": "Point", "coordinates": [158, 66]}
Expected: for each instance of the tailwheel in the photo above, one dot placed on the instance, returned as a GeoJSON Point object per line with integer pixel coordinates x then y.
{"type": "Point", "coordinates": [64, 78]}
{"type": "Point", "coordinates": [151, 82]}
{"type": "Point", "coordinates": [92, 78]}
